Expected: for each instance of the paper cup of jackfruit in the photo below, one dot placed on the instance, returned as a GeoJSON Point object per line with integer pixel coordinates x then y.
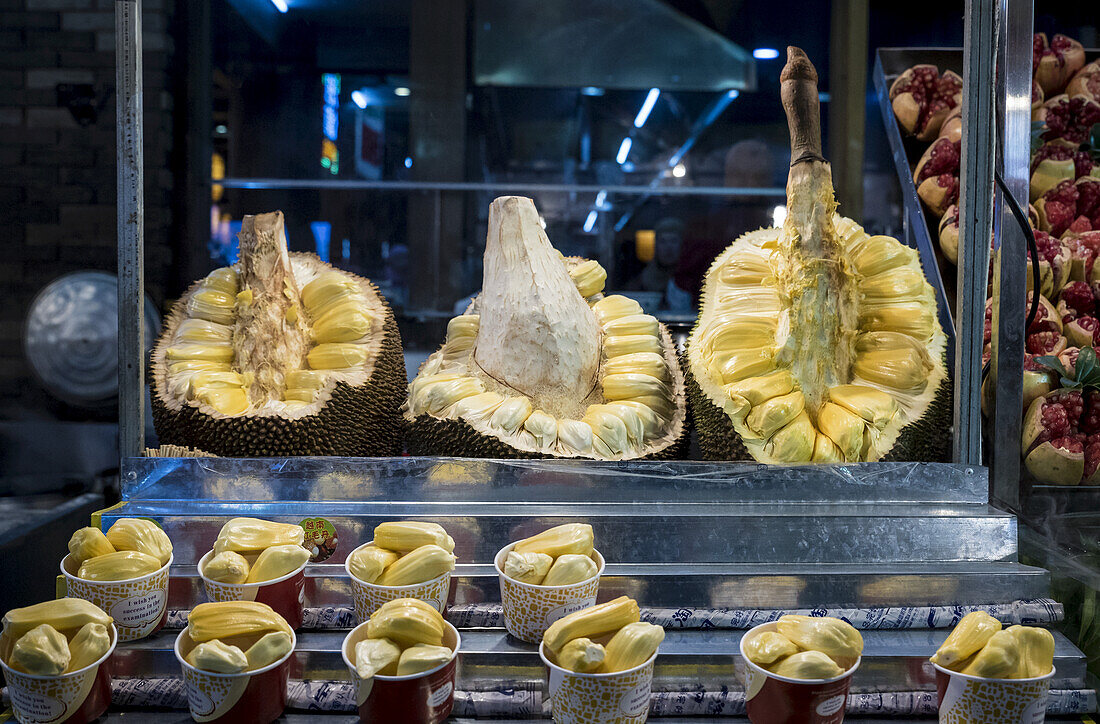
{"type": "Point", "coordinates": [53, 656]}
{"type": "Point", "coordinates": [546, 577]}
{"type": "Point", "coordinates": [258, 560]}
{"type": "Point", "coordinates": [124, 572]}
{"type": "Point", "coordinates": [989, 674]}
{"type": "Point", "coordinates": [235, 657]}
{"type": "Point", "coordinates": [405, 559]}
{"type": "Point", "coordinates": [601, 663]}
{"type": "Point", "coordinates": [402, 662]}
{"type": "Point", "coordinates": [799, 669]}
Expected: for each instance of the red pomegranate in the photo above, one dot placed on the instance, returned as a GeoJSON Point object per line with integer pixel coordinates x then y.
{"type": "Point", "coordinates": [1057, 162]}
{"type": "Point", "coordinates": [1069, 120]}
{"type": "Point", "coordinates": [937, 175]}
{"type": "Point", "coordinates": [1071, 206]}
{"type": "Point", "coordinates": [1054, 63]}
{"type": "Point", "coordinates": [952, 128]}
{"type": "Point", "coordinates": [1061, 438]}
{"type": "Point", "coordinates": [949, 234]}
{"type": "Point", "coordinates": [1044, 336]}
{"type": "Point", "coordinates": [922, 98]}
{"type": "Point", "coordinates": [1037, 99]}
{"type": "Point", "coordinates": [1055, 264]}
{"type": "Point", "coordinates": [1086, 84]}
{"type": "Point", "coordinates": [1083, 249]}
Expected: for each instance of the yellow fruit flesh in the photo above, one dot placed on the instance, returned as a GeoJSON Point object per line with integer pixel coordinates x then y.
{"type": "Point", "coordinates": [592, 622]}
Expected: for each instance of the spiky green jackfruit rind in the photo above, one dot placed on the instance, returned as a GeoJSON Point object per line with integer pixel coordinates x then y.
{"type": "Point", "coordinates": [357, 421]}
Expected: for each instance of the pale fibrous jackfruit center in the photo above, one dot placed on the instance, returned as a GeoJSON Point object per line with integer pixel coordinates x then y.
{"type": "Point", "coordinates": [537, 334]}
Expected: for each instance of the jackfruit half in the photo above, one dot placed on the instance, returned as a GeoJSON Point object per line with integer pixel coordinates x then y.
{"type": "Point", "coordinates": [281, 354]}
{"type": "Point", "coordinates": [816, 341]}
{"type": "Point", "coordinates": [542, 364]}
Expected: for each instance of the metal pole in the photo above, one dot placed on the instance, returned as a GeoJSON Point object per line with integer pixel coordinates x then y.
{"type": "Point", "coordinates": [1009, 283]}
{"type": "Point", "coordinates": [975, 222]}
{"type": "Point", "coordinates": [131, 229]}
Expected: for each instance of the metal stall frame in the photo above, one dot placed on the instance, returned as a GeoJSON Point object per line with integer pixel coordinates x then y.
{"type": "Point", "coordinates": [989, 24]}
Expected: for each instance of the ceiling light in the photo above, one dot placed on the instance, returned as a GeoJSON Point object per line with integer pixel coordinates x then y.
{"type": "Point", "coordinates": [647, 106]}
{"type": "Point", "coordinates": [765, 53]}
{"type": "Point", "coordinates": [624, 150]}
{"type": "Point", "coordinates": [732, 95]}
{"type": "Point", "coordinates": [280, 5]}
{"type": "Point", "coordinates": [360, 98]}
{"type": "Point", "coordinates": [220, 129]}
{"type": "Point", "coordinates": [408, 162]}
{"type": "Point", "coordinates": [401, 91]}
{"type": "Point", "coordinates": [590, 222]}
{"type": "Point", "coordinates": [779, 215]}
{"type": "Point", "coordinates": [591, 90]}
{"type": "Point", "coordinates": [601, 199]}
{"type": "Point", "coordinates": [679, 170]}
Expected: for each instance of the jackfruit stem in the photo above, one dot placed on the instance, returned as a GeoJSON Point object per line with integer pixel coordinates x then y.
{"type": "Point", "coordinates": [823, 304]}
{"type": "Point", "coordinates": [268, 341]}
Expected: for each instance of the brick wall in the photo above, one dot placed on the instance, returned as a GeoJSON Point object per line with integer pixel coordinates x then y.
{"type": "Point", "coordinates": [57, 177]}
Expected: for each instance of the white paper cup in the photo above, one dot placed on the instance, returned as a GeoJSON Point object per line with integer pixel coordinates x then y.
{"type": "Point", "coordinates": [369, 597]}
{"type": "Point", "coordinates": [139, 606]}
{"type": "Point", "coordinates": [529, 609]}
{"type": "Point", "coordinates": [77, 697]}
{"type": "Point", "coordinates": [618, 698]}
{"type": "Point", "coordinates": [285, 594]}
{"type": "Point", "coordinates": [966, 699]}
{"type": "Point", "coordinates": [250, 697]}
{"type": "Point", "coordinates": [422, 698]}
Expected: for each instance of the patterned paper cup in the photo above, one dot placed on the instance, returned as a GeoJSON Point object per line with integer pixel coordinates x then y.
{"type": "Point", "coordinates": [78, 697]}
{"type": "Point", "coordinates": [369, 597]}
{"type": "Point", "coordinates": [139, 606]}
{"type": "Point", "coordinates": [529, 609]}
{"type": "Point", "coordinates": [771, 699]}
{"type": "Point", "coordinates": [252, 697]}
{"type": "Point", "coordinates": [619, 698]}
{"type": "Point", "coordinates": [424, 698]}
{"type": "Point", "coordinates": [968, 699]}
{"type": "Point", "coordinates": [284, 594]}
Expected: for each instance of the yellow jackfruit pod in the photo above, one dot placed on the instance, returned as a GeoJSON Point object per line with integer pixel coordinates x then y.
{"type": "Point", "coordinates": [826, 451]}
{"type": "Point", "coordinates": [591, 622]}
{"type": "Point", "coordinates": [615, 306]}
{"type": "Point", "coordinates": [616, 346]}
{"type": "Point", "coordinates": [876, 254]}
{"type": "Point", "coordinates": [422, 657]}
{"type": "Point", "coordinates": [1036, 651]}
{"type": "Point", "coordinates": [569, 538]}
{"type": "Point", "coordinates": [368, 562]}
{"type": "Point", "coordinates": [632, 646]}
{"type": "Point", "coordinates": [213, 305]}
{"type": "Point", "coordinates": [252, 535]}
{"type": "Point", "coordinates": [67, 615]}
{"type": "Point", "coordinates": [807, 665]}
{"type": "Point", "coordinates": [900, 369]}
{"type": "Point", "coordinates": [766, 648]}
{"type": "Point", "coordinates": [844, 428]}
{"type": "Point", "coordinates": [88, 646]}
{"type": "Point", "coordinates": [88, 543]}
{"type": "Point", "coordinates": [438, 397]}
{"type": "Point", "coordinates": [510, 415]}
{"type": "Point", "coordinates": [42, 651]}
{"type": "Point", "coordinates": [218, 657]}
{"type": "Point", "coordinates": [226, 619]}
{"type": "Point", "coordinates": [632, 324]}
{"type": "Point", "coordinates": [771, 415]}
{"type": "Point", "coordinates": [527, 567]}
{"type": "Point", "coordinates": [200, 330]}
{"type": "Point", "coordinates": [344, 323]}
{"type": "Point", "coordinates": [831, 636]}
{"type": "Point", "coordinates": [406, 626]}
{"type": "Point", "coordinates": [226, 400]}
{"type": "Point", "coordinates": [245, 297]}
{"type": "Point", "coordinates": [998, 659]}
{"type": "Point", "coordinates": [543, 427]}
{"type": "Point", "coordinates": [794, 443]}
{"type": "Point", "coordinates": [759, 389]}
{"type": "Point", "coordinates": [376, 656]}
{"type": "Point", "coordinates": [589, 277]}
{"type": "Point", "coordinates": [875, 406]}
{"type": "Point", "coordinates": [464, 325]}
{"type": "Point", "coordinates": [970, 634]}
{"type": "Point", "coordinates": [423, 564]}
{"type": "Point", "coordinates": [276, 562]}
{"type": "Point", "coordinates": [194, 365]}
{"type": "Point", "coordinates": [477, 407]}
{"type": "Point", "coordinates": [223, 279]}
{"type": "Point", "coordinates": [118, 566]}
{"type": "Point", "coordinates": [609, 436]}
{"type": "Point", "coordinates": [337, 356]}
{"type": "Point", "coordinates": [203, 352]}
{"type": "Point", "coordinates": [307, 379]}
{"type": "Point", "coordinates": [399, 604]}
{"type": "Point", "coordinates": [404, 536]}
{"type": "Point", "coordinates": [582, 656]}
{"type": "Point", "coordinates": [646, 363]}
{"type": "Point", "coordinates": [326, 290]}
{"type": "Point", "coordinates": [138, 534]}
{"type": "Point", "coordinates": [269, 649]}
{"type": "Point", "coordinates": [569, 569]}
{"type": "Point", "coordinates": [574, 436]}
{"type": "Point", "coordinates": [214, 380]}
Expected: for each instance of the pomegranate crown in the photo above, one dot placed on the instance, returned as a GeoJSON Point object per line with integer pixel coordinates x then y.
{"type": "Point", "coordinates": [1085, 372]}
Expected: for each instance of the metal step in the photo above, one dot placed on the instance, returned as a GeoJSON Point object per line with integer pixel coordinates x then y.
{"type": "Point", "coordinates": [724, 585]}
{"type": "Point", "coordinates": [491, 660]}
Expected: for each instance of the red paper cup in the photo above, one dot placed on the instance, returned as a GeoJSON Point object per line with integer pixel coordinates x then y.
{"type": "Point", "coordinates": [284, 594]}
{"type": "Point", "coordinates": [369, 597]}
{"type": "Point", "coordinates": [251, 697]}
{"type": "Point", "coordinates": [139, 606]}
{"type": "Point", "coordinates": [771, 699]}
{"type": "Point", "coordinates": [966, 699]}
{"type": "Point", "coordinates": [618, 698]}
{"type": "Point", "coordinates": [423, 698]}
{"type": "Point", "coordinates": [78, 697]}
{"type": "Point", "coordinates": [530, 609]}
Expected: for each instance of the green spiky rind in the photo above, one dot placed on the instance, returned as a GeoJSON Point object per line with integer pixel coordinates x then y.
{"type": "Point", "coordinates": [456, 438]}
{"type": "Point", "coordinates": [357, 421]}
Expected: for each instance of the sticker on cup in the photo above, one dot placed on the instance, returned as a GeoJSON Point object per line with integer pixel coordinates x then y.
{"type": "Point", "coordinates": [139, 606]}
{"type": "Point", "coordinates": [321, 539]}
{"type": "Point", "coordinates": [568, 608]}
